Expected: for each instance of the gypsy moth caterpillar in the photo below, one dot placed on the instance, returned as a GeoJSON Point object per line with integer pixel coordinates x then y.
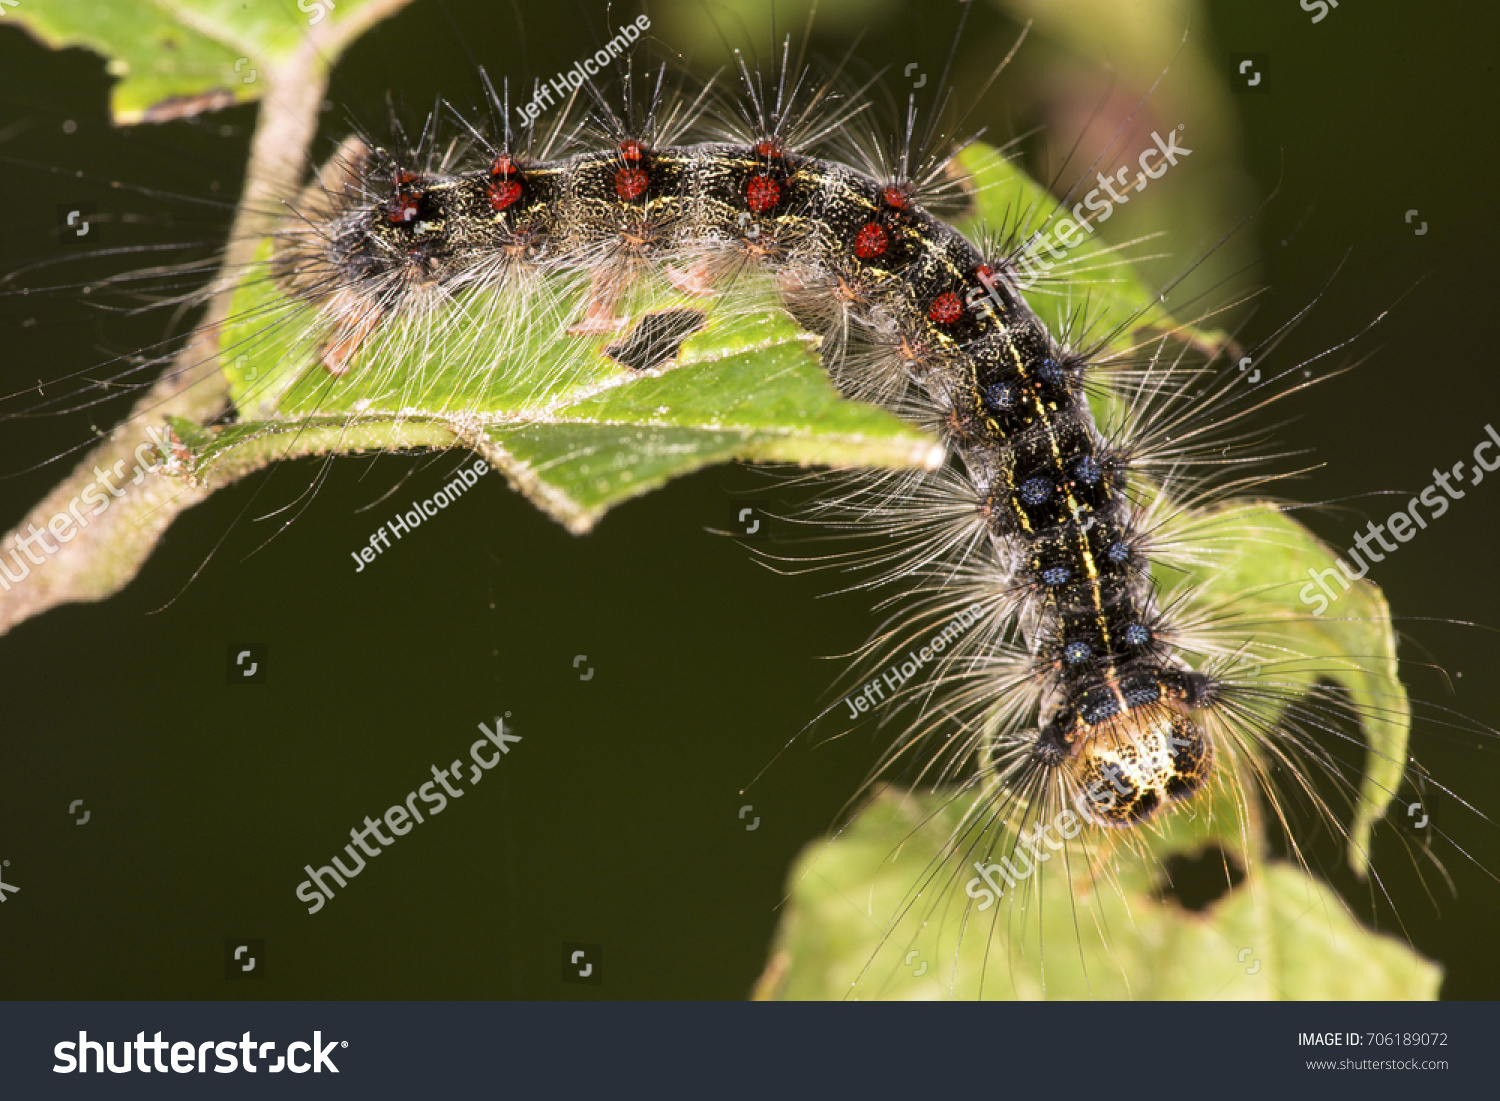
{"type": "Point", "coordinates": [439, 343]}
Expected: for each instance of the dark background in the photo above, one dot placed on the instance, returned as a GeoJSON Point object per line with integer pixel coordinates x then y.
{"type": "Point", "coordinates": [615, 821]}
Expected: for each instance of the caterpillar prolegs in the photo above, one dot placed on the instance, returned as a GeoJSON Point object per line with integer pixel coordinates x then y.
{"type": "Point", "coordinates": [1073, 478]}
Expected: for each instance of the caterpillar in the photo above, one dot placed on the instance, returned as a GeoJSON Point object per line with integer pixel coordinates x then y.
{"type": "Point", "coordinates": [1050, 488]}
{"type": "Point", "coordinates": [1083, 688]}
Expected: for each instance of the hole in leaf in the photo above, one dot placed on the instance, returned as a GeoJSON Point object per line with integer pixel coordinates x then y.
{"type": "Point", "coordinates": [1195, 881]}
{"type": "Point", "coordinates": [656, 339]}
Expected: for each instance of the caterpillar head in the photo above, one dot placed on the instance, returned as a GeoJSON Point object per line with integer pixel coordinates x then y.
{"type": "Point", "coordinates": [1131, 746]}
{"type": "Point", "coordinates": [1127, 771]}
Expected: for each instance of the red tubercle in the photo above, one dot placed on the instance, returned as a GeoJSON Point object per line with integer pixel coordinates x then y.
{"type": "Point", "coordinates": [504, 188]}
{"type": "Point", "coordinates": [632, 150]}
{"type": "Point", "coordinates": [406, 203]}
{"type": "Point", "coordinates": [896, 196]}
{"type": "Point", "coordinates": [762, 193]}
{"type": "Point", "coordinates": [770, 148]}
{"type": "Point", "coordinates": [503, 193]}
{"type": "Point", "coordinates": [631, 183]}
{"type": "Point", "coordinates": [946, 308]}
{"type": "Point", "coordinates": [871, 241]}
{"type": "Point", "coordinates": [403, 208]}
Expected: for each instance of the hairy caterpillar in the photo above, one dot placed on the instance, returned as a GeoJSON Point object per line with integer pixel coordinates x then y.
{"type": "Point", "coordinates": [837, 241]}
{"type": "Point", "coordinates": [1049, 486]}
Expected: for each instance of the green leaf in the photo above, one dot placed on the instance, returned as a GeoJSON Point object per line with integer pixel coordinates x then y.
{"type": "Point", "coordinates": [1262, 561]}
{"type": "Point", "coordinates": [1072, 930]}
{"type": "Point", "coordinates": [180, 57]}
{"type": "Point", "coordinates": [570, 425]}
{"type": "Point", "coordinates": [1092, 273]}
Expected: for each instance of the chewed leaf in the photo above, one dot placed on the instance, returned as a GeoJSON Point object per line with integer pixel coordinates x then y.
{"type": "Point", "coordinates": [1099, 925]}
{"type": "Point", "coordinates": [189, 56]}
{"type": "Point", "coordinates": [1070, 932]}
{"type": "Point", "coordinates": [1264, 566]}
{"type": "Point", "coordinates": [581, 423]}
{"type": "Point", "coordinates": [577, 423]}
